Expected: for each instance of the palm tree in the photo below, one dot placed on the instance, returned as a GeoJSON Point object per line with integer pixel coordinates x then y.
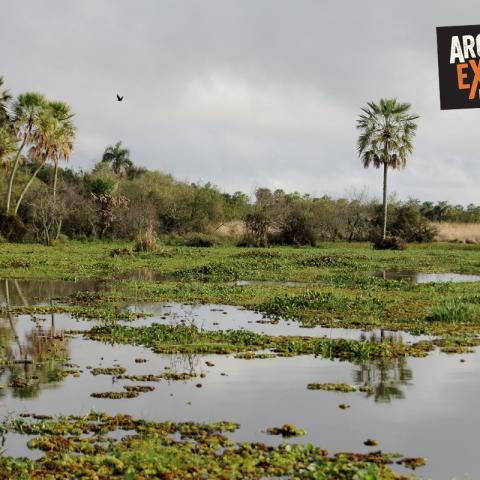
{"type": "Point", "coordinates": [118, 157]}
{"type": "Point", "coordinates": [8, 140]}
{"type": "Point", "coordinates": [53, 140]}
{"type": "Point", "coordinates": [64, 138]}
{"type": "Point", "coordinates": [27, 110]}
{"type": "Point", "coordinates": [5, 98]}
{"type": "Point", "coordinates": [387, 130]}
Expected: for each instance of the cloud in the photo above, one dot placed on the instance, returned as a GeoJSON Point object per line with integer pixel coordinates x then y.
{"type": "Point", "coordinates": [246, 93]}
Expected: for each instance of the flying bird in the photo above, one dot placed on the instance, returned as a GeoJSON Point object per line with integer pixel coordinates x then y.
{"type": "Point", "coordinates": [119, 98]}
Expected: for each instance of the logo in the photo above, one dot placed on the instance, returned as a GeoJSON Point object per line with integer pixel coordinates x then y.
{"type": "Point", "coordinates": [458, 51]}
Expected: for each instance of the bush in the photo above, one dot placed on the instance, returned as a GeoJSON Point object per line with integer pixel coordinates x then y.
{"type": "Point", "coordinates": [296, 229]}
{"type": "Point", "coordinates": [146, 241]}
{"type": "Point", "coordinates": [12, 228]}
{"type": "Point", "coordinates": [200, 240]}
{"type": "Point", "coordinates": [256, 227]}
{"type": "Point", "coordinates": [389, 243]}
{"type": "Point", "coordinates": [411, 226]}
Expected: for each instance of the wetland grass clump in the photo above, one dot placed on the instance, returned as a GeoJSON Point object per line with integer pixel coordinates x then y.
{"type": "Point", "coordinates": [454, 311]}
{"type": "Point", "coordinates": [146, 241]}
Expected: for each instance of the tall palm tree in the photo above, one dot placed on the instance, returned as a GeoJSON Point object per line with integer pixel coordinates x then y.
{"type": "Point", "coordinates": [8, 141]}
{"type": "Point", "coordinates": [387, 130]}
{"type": "Point", "coordinates": [27, 110]}
{"type": "Point", "coordinates": [64, 137]}
{"type": "Point", "coordinates": [5, 98]}
{"type": "Point", "coordinates": [53, 140]}
{"type": "Point", "coordinates": [118, 157]}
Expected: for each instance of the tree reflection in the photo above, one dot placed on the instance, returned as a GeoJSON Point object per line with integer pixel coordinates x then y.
{"type": "Point", "coordinates": [385, 377]}
{"type": "Point", "coordinates": [33, 358]}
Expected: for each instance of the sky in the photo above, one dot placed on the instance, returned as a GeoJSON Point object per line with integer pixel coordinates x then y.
{"type": "Point", "coordinates": [248, 93]}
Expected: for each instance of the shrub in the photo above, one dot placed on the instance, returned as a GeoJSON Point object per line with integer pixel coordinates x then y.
{"type": "Point", "coordinates": [146, 241]}
{"type": "Point", "coordinates": [256, 227]}
{"type": "Point", "coordinates": [200, 240]}
{"type": "Point", "coordinates": [389, 243]}
{"type": "Point", "coordinates": [296, 228]}
{"type": "Point", "coordinates": [12, 228]}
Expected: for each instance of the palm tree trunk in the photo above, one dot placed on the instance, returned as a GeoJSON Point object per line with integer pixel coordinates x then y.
{"type": "Point", "coordinates": [27, 186]}
{"type": "Point", "coordinates": [12, 175]}
{"type": "Point", "coordinates": [55, 176]}
{"type": "Point", "coordinates": [385, 170]}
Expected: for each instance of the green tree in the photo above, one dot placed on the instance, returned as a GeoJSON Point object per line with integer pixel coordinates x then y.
{"type": "Point", "coordinates": [8, 140]}
{"type": "Point", "coordinates": [27, 110]}
{"type": "Point", "coordinates": [387, 130]}
{"type": "Point", "coordinates": [118, 158]}
{"type": "Point", "coordinates": [52, 140]}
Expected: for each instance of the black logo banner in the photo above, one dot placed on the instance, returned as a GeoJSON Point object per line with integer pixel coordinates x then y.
{"type": "Point", "coordinates": [459, 66]}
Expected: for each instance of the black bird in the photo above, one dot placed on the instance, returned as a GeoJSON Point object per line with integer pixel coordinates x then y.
{"type": "Point", "coordinates": [119, 98]}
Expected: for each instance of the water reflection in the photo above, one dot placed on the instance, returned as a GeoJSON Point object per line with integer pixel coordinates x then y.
{"type": "Point", "coordinates": [385, 377]}
{"type": "Point", "coordinates": [418, 277]}
{"type": "Point", "coordinates": [23, 293]}
{"type": "Point", "coordinates": [32, 355]}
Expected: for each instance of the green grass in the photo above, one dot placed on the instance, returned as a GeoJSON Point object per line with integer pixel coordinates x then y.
{"type": "Point", "coordinates": [343, 289]}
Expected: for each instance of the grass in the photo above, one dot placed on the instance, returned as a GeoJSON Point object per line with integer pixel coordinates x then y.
{"type": "Point", "coordinates": [343, 289]}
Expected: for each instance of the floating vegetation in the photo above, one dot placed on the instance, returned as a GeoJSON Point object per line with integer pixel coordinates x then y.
{"type": "Point", "coordinates": [139, 388]}
{"type": "Point", "coordinates": [141, 378]}
{"type": "Point", "coordinates": [332, 387]}
{"type": "Point", "coordinates": [412, 462]}
{"type": "Point", "coordinates": [76, 447]}
{"type": "Point", "coordinates": [189, 339]}
{"type": "Point", "coordinates": [370, 442]}
{"type": "Point", "coordinates": [116, 371]}
{"type": "Point", "coordinates": [254, 356]}
{"type": "Point", "coordinates": [344, 406]}
{"type": "Point", "coordinates": [287, 430]}
{"type": "Point", "coordinates": [116, 395]}
{"type": "Point", "coordinates": [140, 360]}
{"type": "Point", "coordinates": [175, 376]}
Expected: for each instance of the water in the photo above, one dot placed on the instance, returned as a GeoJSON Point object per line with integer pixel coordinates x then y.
{"type": "Point", "coordinates": [23, 293]}
{"type": "Point", "coordinates": [223, 317]}
{"type": "Point", "coordinates": [418, 277]}
{"type": "Point", "coordinates": [419, 406]}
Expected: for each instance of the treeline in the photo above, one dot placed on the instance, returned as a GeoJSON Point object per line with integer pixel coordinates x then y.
{"type": "Point", "coordinates": [118, 200]}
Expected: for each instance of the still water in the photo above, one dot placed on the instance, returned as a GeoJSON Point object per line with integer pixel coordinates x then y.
{"type": "Point", "coordinates": [424, 407]}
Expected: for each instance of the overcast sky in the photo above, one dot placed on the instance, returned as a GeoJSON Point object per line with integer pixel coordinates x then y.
{"type": "Point", "coordinates": [248, 93]}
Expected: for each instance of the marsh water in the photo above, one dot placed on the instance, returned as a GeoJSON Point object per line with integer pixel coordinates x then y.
{"type": "Point", "coordinates": [424, 407]}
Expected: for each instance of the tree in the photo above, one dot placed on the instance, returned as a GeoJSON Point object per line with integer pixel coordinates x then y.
{"type": "Point", "coordinates": [27, 111]}
{"type": "Point", "coordinates": [387, 130]}
{"type": "Point", "coordinates": [8, 140]}
{"type": "Point", "coordinates": [53, 139]}
{"type": "Point", "coordinates": [118, 158]}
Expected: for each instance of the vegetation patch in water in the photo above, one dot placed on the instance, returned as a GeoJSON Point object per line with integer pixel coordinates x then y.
{"type": "Point", "coordinates": [189, 339]}
{"type": "Point", "coordinates": [116, 371]}
{"type": "Point", "coordinates": [139, 388]}
{"type": "Point", "coordinates": [116, 395]}
{"type": "Point", "coordinates": [332, 387]}
{"type": "Point", "coordinates": [287, 430]}
{"type": "Point", "coordinates": [78, 447]}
